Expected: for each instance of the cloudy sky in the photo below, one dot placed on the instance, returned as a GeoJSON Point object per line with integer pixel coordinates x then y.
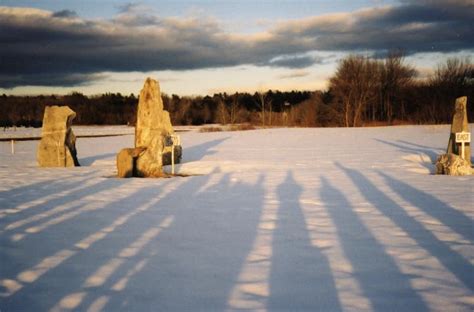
{"type": "Point", "coordinates": [200, 47]}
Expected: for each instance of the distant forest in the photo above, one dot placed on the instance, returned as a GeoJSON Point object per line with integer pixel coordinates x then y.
{"type": "Point", "coordinates": [363, 91]}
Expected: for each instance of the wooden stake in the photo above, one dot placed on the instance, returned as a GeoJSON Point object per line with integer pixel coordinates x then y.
{"type": "Point", "coordinates": [172, 158]}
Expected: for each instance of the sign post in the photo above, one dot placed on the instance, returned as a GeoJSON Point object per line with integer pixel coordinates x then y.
{"type": "Point", "coordinates": [172, 141]}
{"type": "Point", "coordinates": [13, 147]}
{"type": "Point", "coordinates": [463, 138]}
{"type": "Point", "coordinates": [172, 158]}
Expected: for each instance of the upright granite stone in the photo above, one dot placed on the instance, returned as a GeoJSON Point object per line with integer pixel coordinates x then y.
{"type": "Point", "coordinates": [152, 131]}
{"type": "Point", "coordinates": [153, 124]}
{"type": "Point", "coordinates": [452, 163]}
{"type": "Point", "coordinates": [460, 124]}
{"type": "Point", "coordinates": [57, 147]}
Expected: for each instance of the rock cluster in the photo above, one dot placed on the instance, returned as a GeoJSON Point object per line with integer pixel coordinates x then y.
{"type": "Point", "coordinates": [57, 147]}
{"type": "Point", "coordinates": [127, 162]}
{"type": "Point", "coordinates": [452, 164]}
{"type": "Point", "coordinates": [152, 131]}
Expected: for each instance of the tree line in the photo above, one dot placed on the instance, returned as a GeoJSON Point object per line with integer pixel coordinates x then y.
{"type": "Point", "coordinates": [367, 90]}
{"type": "Point", "coordinates": [363, 91]}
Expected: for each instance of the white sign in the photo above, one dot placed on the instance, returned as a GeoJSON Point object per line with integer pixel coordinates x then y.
{"type": "Point", "coordinates": [463, 137]}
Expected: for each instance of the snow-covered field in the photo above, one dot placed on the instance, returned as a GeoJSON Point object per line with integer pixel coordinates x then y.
{"type": "Point", "coordinates": [274, 219]}
{"type": "Point", "coordinates": [80, 131]}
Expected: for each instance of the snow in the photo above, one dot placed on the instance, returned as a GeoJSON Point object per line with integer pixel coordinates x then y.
{"type": "Point", "coordinates": [275, 219]}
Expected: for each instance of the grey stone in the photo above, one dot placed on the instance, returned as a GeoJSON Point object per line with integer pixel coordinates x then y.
{"type": "Point", "coordinates": [178, 152]}
{"type": "Point", "coordinates": [459, 124]}
{"type": "Point", "coordinates": [126, 160]}
{"type": "Point", "coordinates": [57, 147]}
{"type": "Point", "coordinates": [451, 164]}
{"type": "Point", "coordinates": [152, 130]}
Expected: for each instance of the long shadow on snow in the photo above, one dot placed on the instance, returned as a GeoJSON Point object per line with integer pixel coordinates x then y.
{"type": "Point", "coordinates": [195, 262]}
{"type": "Point", "coordinates": [450, 259]}
{"type": "Point", "coordinates": [119, 290]}
{"type": "Point", "coordinates": [449, 216]}
{"type": "Point", "coordinates": [12, 253]}
{"type": "Point", "coordinates": [441, 150]}
{"type": "Point", "coordinates": [414, 148]}
{"type": "Point", "coordinates": [428, 150]}
{"type": "Point", "coordinates": [421, 147]}
{"type": "Point", "coordinates": [140, 240]}
{"type": "Point", "coordinates": [34, 191]}
{"type": "Point", "coordinates": [88, 161]}
{"type": "Point", "coordinates": [47, 242]}
{"type": "Point", "coordinates": [377, 273]}
{"type": "Point", "coordinates": [57, 206]}
{"type": "Point", "coordinates": [301, 278]}
{"type": "Point", "coordinates": [68, 275]}
{"type": "Point", "coordinates": [198, 152]}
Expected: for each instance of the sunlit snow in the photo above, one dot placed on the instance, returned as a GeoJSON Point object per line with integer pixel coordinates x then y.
{"type": "Point", "coordinates": [275, 219]}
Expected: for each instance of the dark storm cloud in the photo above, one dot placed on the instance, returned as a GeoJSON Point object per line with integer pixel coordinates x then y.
{"type": "Point", "coordinates": [294, 61]}
{"type": "Point", "coordinates": [61, 49]}
{"type": "Point", "coordinates": [65, 14]}
{"type": "Point", "coordinates": [411, 27]}
{"type": "Point", "coordinates": [49, 79]}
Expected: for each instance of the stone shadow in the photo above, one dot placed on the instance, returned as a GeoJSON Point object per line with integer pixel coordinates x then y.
{"type": "Point", "coordinates": [421, 147]}
{"type": "Point", "coordinates": [88, 161]}
{"type": "Point", "coordinates": [197, 152]}
{"type": "Point", "coordinates": [300, 277]}
{"type": "Point", "coordinates": [407, 147]}
{"type": "Point", "coordinates": [372, 266]}
{"type": "Point", "coordinates": [429, 150]}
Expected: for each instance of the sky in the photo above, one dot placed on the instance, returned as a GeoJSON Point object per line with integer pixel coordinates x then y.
{"type": "Point", "coordinates": [202, 47]}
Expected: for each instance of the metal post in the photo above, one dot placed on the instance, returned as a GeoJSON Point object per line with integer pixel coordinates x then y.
{"type": "Point", "coordinates": [172, 158]}
{"type": "Point", "coordinates": [13, 147]}
{"type": "Point", "coordinates": [462, 149]}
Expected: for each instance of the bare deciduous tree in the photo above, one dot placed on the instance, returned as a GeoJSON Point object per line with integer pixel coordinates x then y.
{"type": "Point", "coordinates": [394, 76]}
{"type": "Point", "coordinates": [222, 113]}
{"type": "Point", "coordinates": [234, 108]}
{"type": "Point", "coordinates": [355, 87]}
{"type": "Point", "coordinates": [262, 103]}
{"type": "Point", "coordinates": [451, 79]}
{"type": "Point", "coordinates": [456, 72]}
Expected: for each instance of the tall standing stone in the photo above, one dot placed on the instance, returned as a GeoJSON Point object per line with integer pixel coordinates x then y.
{"type": "Point", "coordinates": [460, 124]}
{"type": "Point", "coordinates": [153, 131]}
{"type": "Point", "coordinates": [152, 128]}
{"type": "Point", "coordinates": [57, 147]}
